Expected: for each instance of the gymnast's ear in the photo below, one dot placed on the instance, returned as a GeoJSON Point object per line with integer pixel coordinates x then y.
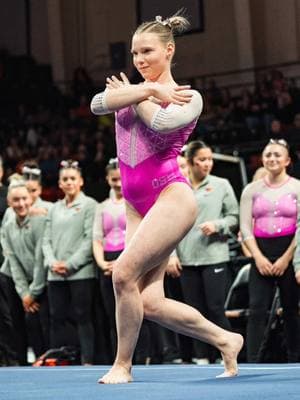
{"type": "Point", "coordinates": [170, 50]}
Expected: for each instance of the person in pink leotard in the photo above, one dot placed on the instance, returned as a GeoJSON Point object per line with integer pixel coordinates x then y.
{"type": "Point", "coordinates": [268, 220]}
{"type": "Point", "coordinates": [109, 242]}
{"type": "Point", "coordinates": [153, 121]}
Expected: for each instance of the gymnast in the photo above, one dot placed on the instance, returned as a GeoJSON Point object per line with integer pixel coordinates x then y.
{"type": "Point", "coordinates": [153, 121]}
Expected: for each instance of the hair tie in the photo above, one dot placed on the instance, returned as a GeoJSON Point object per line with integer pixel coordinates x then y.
{"type": "Point", "coordinates": [31, 171]}
{"type": "Point", "coordinates": [65, 164]}
{"type": "Point", "coordinates": [165, 22]}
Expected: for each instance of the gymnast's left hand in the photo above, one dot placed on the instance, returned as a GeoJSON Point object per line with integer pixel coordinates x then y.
{"type": "Point", "coordinates": [114, 83]}
{"type": "Point", "coordinates": [60, 268]}
{"type": "Point", "coordinates": [279, 266]}
{"type": "Point", "coordinates": [208, 228]}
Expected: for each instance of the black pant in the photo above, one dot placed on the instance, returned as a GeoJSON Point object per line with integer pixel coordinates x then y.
{"type": "Point", "coordinates": [38, 326]}
{"type": "Point", "coordinates": [204, 288]}
{"type": "Point", "coordinates": [261, 293]}
{"type": "Point", "coordinates": [78, 295]}
{"type": "Point", "coordinates": [8, 353]}
{"type": "Point", "coordinates": [175, 345]}
{"type": "Point", "coordinates": [17, 316]}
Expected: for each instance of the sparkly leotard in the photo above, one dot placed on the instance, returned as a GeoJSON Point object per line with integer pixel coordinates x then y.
{"type": "Point", "coordinates": [147, 158]}
{"type": "Point", "coordinates": [270, 211]}
{"type": "Point", "coordinates": [110, 224]}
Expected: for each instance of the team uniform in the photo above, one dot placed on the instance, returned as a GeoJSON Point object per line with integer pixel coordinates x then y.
{"type": "Point", "coordinates": [147, 154]}
{"type": "Point", "coordinates": [270, 215]}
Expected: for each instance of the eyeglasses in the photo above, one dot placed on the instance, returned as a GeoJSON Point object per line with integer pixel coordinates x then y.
{"type": "Point", "coordinates": [69, 164]}
{"type": "Point", "coordinates": [282, 142]}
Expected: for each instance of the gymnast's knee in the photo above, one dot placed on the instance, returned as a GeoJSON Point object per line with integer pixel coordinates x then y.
{"type": "Point", "coordinates": [151, 307]}
{"type": "Point", "coordinates": [122, 281]}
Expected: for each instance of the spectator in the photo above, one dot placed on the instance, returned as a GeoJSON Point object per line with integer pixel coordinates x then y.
{"type": "Point", "coordinates": [69, 259]}
{"type": "Point", "coordinates": [109, 242]}
{"type": "Point", "coordinates": [203, 254]}
{"type": "Point", "coordinates": [269, 214]}
{"type": "Point", "coordinates": [32, 177]}
{"type": "Point", "coordinates": [22, 243]}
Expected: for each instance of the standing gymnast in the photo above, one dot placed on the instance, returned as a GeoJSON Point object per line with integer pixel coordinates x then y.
{"type": "Point", "coordinates": [153, 121]}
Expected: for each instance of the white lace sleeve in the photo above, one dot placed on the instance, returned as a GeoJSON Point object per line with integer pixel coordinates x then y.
{"type": "Point", "coordinates": [174, 117]}
{"type": "Point", "coordinates": [98, 104]}
{"type": "Point", "coordinates": [246, 211]}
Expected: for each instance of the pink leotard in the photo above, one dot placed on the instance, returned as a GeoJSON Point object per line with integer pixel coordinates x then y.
{"type": "Point", "coordinates": [270, 211]}
{"type": "Point", "coordinates": [110, 225]}
{"type": "Point", "coordinates": [277, 218]}
{"type": "Point", "coordinates": [147, 158]}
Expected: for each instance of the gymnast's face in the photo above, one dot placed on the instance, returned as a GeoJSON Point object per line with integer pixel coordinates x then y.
{"type": "Point", "coordinates": [183, 166]}
{"type": "Point", "coordinates": [20, 201]}
{"type": "Point", "coordinates": [151, 57]}
{"type": "Point", "coordinates": [70, 181]}
{"type": "Point", "coordinates": [202, 163]}
{"type": "Point", "coordinates": [114, 181]}
{"type": "Point", "coordinates": [34, 189]}
{"type": "Point", "coordinates": [275, 158]}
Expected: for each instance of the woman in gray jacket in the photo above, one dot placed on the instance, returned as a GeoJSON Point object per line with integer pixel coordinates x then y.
{"type": "Point", "coordinates": [68, 255]}
{"type": "Point", "coordinates": [22, 245]}
{"type": "Point", "coordinates": [202, 256]}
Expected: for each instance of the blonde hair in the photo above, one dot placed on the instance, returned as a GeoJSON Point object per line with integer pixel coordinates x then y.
{"type": "Point", "coordinates": [15, 177]}
{"type": "Point", "coordinates": [165, 29]}
{"type": "Point", "coordinates": [15, 184]}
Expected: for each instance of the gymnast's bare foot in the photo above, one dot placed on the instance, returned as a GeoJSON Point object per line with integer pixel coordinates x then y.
{"type": "Point", "coordinates": [230, 350]}
{"type": "Point", "coordinates": [117, 374]}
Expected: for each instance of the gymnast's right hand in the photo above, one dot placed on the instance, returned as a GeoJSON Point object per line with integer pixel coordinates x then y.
{"type": "Point", "coordinates": [174, 267]}
{"type": "Point", "coordinates": [107, 267]}
{"type": "Point", "coordinates": [263, 265]}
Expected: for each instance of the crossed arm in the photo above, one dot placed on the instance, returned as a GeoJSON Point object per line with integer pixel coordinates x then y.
{"type": "Point", "coordinates": [162, 107]}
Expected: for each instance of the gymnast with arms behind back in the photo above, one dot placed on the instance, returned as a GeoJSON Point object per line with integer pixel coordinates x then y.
{"type": "Point", "coordinates": [153, 121]}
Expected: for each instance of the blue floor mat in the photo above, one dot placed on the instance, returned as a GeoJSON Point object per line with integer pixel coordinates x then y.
{"type": "Point", "coordinates": [155, 382]}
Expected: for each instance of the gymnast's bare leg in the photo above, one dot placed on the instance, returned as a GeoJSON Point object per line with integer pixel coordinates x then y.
{"type": "Point", "coordinates": [138, 284]}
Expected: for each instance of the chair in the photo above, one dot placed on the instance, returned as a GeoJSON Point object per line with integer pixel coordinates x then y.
{"type": "Point", "coordinates": [236, 303]}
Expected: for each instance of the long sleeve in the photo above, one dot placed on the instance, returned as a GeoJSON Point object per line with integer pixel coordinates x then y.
{"type": "Point", "coordinates": [114, 99]}
{"type": "Point", "coordinates": [246, 220]}
{"type": "Point", "coordinates": [98, 104]}
{"type": "Point", "coordinates": [230, 211]}
{"type": "Point", "coordinates": [17, 271]}
{"type": "Point", "coordinates": [174, 116]}
{"type": "Point", "coordinates": [296, 258]}
{"type": "Point", "coordinates": [84, 254]}
{"type": "Point", "coordinates": [98, 225]}
{"type": "Point", "coordinates": [39, 273]}
{"type": "Point", "coordinates": [49, 256]}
